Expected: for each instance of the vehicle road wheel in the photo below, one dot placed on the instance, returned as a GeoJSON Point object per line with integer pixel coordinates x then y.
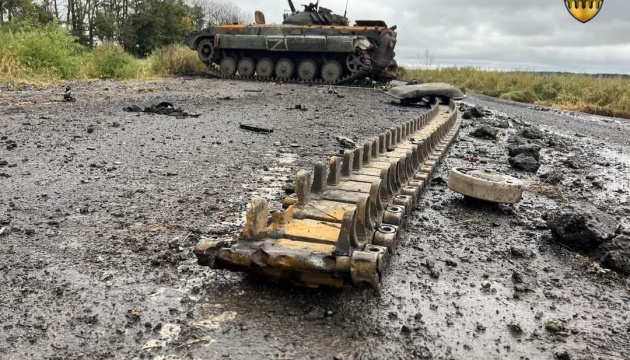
{"type": "Point", "coordinates": [331, 71]}
{"type": "Point", "coordinates": [205, 49]}
{"type": "Point", "coordinates": [246, 67]}
{"type": "Point", "coordinates": [485, 185]}
{"type": "Point", "coordinates": [285, 68]}
{"type": "Point", "coordinates": [354, 63]}
{"type": "Point", "coordinates": [307, 70]}
{"type": "Point", "coordinates": [264, 68]}
{"type": "Point", "coordinates": [228, 66]}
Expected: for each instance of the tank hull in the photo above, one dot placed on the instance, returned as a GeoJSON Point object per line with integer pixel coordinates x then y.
{"type": "Point", "coordinates": [360, 51]}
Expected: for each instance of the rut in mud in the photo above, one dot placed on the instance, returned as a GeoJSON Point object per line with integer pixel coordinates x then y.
{"type": "Point", "coordinates": [101, 208]}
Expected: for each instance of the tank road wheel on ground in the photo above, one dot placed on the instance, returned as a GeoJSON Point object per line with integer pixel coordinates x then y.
{"type": "Point", "coordinates": [205, 49]}
{"type": "Point", "coordinates": [285, 68]}
{"type": "Point", "coordinates": [228, 66]}
{"type": "Point", "coordinates": [331, 71]}
{"type": "Point", "coordinates": [246, 67]}
{"type": "Point", "coordinates": [307, 70]}
{"type": "Point", "coordinates": [354, 63]}
{"type": "Point", "coordinates": [264, 68]}
{"type": "Point", "coordinates": [486, 185]}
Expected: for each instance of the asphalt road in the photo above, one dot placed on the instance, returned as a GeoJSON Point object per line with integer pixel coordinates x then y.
{"type": "Point", "coordinates": [101, 208]}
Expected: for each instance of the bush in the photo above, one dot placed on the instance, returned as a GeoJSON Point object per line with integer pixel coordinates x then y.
{"type": "Point", "coordinates": [175, 59]}
{"type": "Point", "coordinates": [110, 61]}
{"type": "Point", "coordinates": [45, 53]}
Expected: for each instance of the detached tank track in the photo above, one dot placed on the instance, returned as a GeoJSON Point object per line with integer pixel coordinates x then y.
{"type": "Point", "coordinates": [342, 225]}
{"type": "Point", "coordinates": [215, 70]}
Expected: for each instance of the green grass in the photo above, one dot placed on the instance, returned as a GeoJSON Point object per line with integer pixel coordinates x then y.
{"type": "Point", "coordinates": [49, 54]}
{"type": "Point", "coordinates": [175, 59]}
{"type": "Point", "coordinates": [46, 53]}
{"type": "Point", "coordinates": [609, 96]}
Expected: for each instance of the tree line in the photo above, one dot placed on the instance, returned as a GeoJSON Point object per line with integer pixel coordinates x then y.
{"type": "Point", "coordinates": [139, 26]}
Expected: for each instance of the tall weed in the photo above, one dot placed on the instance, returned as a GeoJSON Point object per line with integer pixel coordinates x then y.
{"type": "Point", "coordinates": [593, 94]}
{"type": "Point", "coordinates": [175, 59]}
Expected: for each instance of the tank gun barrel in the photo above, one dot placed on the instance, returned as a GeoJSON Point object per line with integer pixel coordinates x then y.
{"type": "Point", "coordinates": [292, 6]}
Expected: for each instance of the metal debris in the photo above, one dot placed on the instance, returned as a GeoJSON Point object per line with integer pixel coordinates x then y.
{"type": "Point", "coordinates": [341, 225]}
{"type": "Point", "coordinates": [410, 94]}
{"type": "Point", "coordinates": [346, 142]}
{"type": "Point", "coordinates": [163, 108]}
{"type": "Point", "coordinates": [257, 129]}
{"type": "Point", "coordinates": [67, 95]}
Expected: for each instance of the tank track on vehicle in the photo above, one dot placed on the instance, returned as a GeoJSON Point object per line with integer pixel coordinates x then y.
{"type": "Point", "coordinates": [215, 70]}
{"type": "Point", "coordinates": [342, 224]}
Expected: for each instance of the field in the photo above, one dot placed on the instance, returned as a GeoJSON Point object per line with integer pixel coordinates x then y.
{"type": "Point", "coordinates": [601, 95]}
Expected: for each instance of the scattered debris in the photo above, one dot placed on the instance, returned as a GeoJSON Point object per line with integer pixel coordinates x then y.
{"type": "Point", "coordinates": [555, 325]}
{"type": "Point", "coordinates": [522, 253]}
{"type": "Point", "coordinates": [532, 150]}
{"type": "Point", "coordinates": [346, 142]}
{"type": "Point", "coordinates": [257, 129]}
{"type": "Point", "coordinates": [515, 329]}
{"type": "Point", "coordinates": [524, 281]}
{"type": "Point", "coordinates": [532, 133]}
{"type": "Point", "coordinates": [525, 163]}
{"type": "Point", "coordinates": [616, 254]}
{"type": "Point", "coordinates": [583, 229]}
{"type": "Point", "coordinates": [418, 93]}
{"type": "Point", "coordinates": [553, 177]}
{"type": "Point", "coordinates": [67, 95]}
{"type": "Point", "coordinates": [485, 132]}
{"type": "Point", "coordinates": [163, 108]}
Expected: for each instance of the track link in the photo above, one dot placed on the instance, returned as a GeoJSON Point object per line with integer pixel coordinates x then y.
{"type": "Point", "coordinates": [342, 224]}
{"type": "Point", "coordinates": [215, 70]}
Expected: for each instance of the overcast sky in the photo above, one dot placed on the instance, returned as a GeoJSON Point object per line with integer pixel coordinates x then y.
{"type": "Point", "coordinates": [499, 34]}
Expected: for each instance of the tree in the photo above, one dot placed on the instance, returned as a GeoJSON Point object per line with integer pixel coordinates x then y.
{"type": "Point", "coordinates": [220, 13]}
{"type": "Point", "coordinates": [155, 23]}
{"type": "Point", "coordinates": [24, 11]}
{"type": "Point", "coordinates": [198, 16]}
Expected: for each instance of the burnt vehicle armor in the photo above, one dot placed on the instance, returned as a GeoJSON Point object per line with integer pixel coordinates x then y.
{"type": "Point", "coordinates": [314, 45]}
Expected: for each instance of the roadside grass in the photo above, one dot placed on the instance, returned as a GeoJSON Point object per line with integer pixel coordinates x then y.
{"type": "Point", "coordinates": [48, 55]}
{"type": "Point", "coordinates": [607, 96]}
{"type": "Point", "coordinates": [175, 59]}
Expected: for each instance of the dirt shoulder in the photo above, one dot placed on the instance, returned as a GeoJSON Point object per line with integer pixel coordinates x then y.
{"type": "Point", "coordinates": [102, 207]}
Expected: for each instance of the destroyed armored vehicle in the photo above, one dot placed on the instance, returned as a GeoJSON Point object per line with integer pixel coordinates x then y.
{"type": "Point", "coordinates": [313, 45]}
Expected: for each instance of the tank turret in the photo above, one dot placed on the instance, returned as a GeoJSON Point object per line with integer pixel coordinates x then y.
{"type": "Point", "coordinates": [313, 14]}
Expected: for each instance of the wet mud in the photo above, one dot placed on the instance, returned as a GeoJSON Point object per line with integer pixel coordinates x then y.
{"type": "Point", "coordinates": [100, 208]}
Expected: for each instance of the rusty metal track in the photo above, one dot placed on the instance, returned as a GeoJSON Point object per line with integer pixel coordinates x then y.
{"type": "Point", "coordinates": [214, 70]}
{"type": "Point", "coordinates": [342, 224]}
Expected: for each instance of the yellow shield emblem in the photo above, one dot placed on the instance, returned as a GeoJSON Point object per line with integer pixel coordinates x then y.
{"type": "Point", "coordinates": [584, 10]}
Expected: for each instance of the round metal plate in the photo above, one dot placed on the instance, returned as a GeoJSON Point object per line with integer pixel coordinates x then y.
{"type": "Point", "coordinates": [486, 185]}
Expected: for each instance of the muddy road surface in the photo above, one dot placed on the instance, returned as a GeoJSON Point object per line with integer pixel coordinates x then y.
{"type": "Point", "coordinates": [100, 208]}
